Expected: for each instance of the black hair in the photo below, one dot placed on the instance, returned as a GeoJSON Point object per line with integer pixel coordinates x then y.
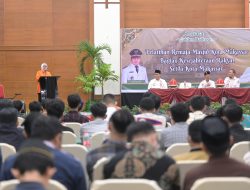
{"type": "Point", "coordinates": [139, 128]}
{"type": "Point", "coordinates": [35, 106]}
{"type": "Point", "coordinates": [46, 128]}
{"type": "Point", "coordinates": [121, 119]}
{"type": "Point", "coordinates": [194, 131]}
{"type": "Point", "coordinates": [179, 112]}
{"type": "Point", "coordinates": [74, 100]}
{"type": "Point", "coordinates": [215, 135]}
{"type": "Point", "coordinates": [206, 100]}
{"type": "Point", "coordinates": [6, 103]}
{"type": "Point", "coordinates": [28, 122]}
{"type": "Point", "coordinates": [197, 103]}
{"type": "Point", "coordinates": [34, 157]}
{"type": "Point", "coordinates": [18, 104]}
{"type": "Point", "coordinates": [98, 110]}
{"type": "Point", "coordinates": [230, 101]}
{"type": "Point", "coordinates": [147, 104]}
{"type": "Point", "coordinates": [157, 100]}
{"type": "Point", "coordinates": [233, 113]}
{"type": "Point", "coordinates": [55, 108]}
{"type": "Point", "coordinates": [108, 99]}
{"type": "Point", "coordinates": [45, 103]}
{"type": "Point", "coordinates": [8, 115]}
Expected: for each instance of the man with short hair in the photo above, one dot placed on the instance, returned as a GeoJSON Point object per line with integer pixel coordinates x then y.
{"type": "Point", "coordinates": [35, 106]}
{"type": "Point", "coordinates": [208, 110]}
{"type": "Point", "coordinates": [99, 124]}
{"type": "Point", "coordinates": [157, 82]}
{"type": "Point", "coordinates": [147, 106]}
{"type": "Point", "coordinates": [74, 102]}
{"type": "Point", "coordinates": [144, 159]}
{"type": "Point", "coordinates": [34, 166]}
{"type": "Point", "coordinates": [194, 140]}
{"type": "Point", "coordinates": [233, 115]}
{"type": "Point", "coordinates": [207, 83]}
{"type": "Point", "coordinates": [111, 103]}
{"type": "Point", "coordinates": [69, 171]}
{"type": "Point", "coordinates": [231, 81]}
{"type": "Point", "coordinates": [116, 143]}
{"type": "Point", "coordinates": [215, 137]}
{"type": "Point", "coordinates": [197, 105]}
{"type": "Point", "coordinates": [19, 105]}
{"type": "Point", "coordinates": [178, 132]}
{"type": "Point", "coordinates": [9, 133]}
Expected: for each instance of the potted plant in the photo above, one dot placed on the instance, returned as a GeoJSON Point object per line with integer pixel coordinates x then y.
{"type": "Point", "coordinates": [101, 71]}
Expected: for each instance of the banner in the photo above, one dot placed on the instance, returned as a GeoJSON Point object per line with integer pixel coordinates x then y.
{"type": "Point", "coordinates": [182, 54]}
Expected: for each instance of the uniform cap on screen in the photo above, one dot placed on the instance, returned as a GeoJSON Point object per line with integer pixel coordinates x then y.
{"type": "Point", "coordinates": [135, 53]}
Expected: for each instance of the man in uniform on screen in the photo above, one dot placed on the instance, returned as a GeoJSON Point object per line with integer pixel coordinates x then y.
{"type": "Point", "coordinates": [207, 83]}
{"type": "Point", "coordinates": [157, 82]}
{"type": "Point", "coordinates": [134, 71]}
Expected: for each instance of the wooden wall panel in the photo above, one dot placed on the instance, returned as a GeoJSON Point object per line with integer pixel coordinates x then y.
{"type": "Point", "coordinates": [1, 21]}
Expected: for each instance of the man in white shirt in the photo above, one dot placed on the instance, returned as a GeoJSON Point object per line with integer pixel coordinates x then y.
{"type": "Point", "coordinates": [134, 71]}
{"type": "Point", "coordinates": [157, 82]}
{"type": "Point", "coordinates": [197, 105]}
{"type": "Point", "coordinates": [232, 81]}
{"type": "Point", "coordinates": [207, 83]}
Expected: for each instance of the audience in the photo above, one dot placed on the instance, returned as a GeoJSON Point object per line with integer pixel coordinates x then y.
{"type": "Point", "coordinates": [194, 140]}
{"type": "Point", "coordinates": [69, 171]}
{"type": "Point", "coordinates": [147, 106]}
{"type": "Point", "coordinates": [144, 159]}
{"type": "Point", "coordinates": [74, 102]}
{"type": "Point", "coordinates": [208, 110]}
{"type": "Point", "coordinates": [18, 104]}
{"type": "Point", "coordinates": [35, 106]}
{"type": "Point", "coordinates": [99, 124]}
{"type": "Point", "coordinates": [27, 124]}
{"type": "Point", "coordinates": [55, 108]}
{"type": "Point", "coordinates": [9, 133]}
{"type": "Point", "coordinates": [178, 132]}
{"type": "Point", "coordinates": [197, 105]}
{"type": "Point", "coordinates": [116, 143]}
{"type": "Point", "coordinates": [111, 103]}
{"type": "Point", "coordinates": [34, 166]}
{"type": "Point", "coordinates": [6, 103]}
{"type": "Point", "coordinates": [215, 137]}
{"type": "Point", "coordinates": [233, 115]}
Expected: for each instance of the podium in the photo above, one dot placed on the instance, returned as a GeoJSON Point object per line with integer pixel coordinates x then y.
{"type": "Point", "coordinates": [49, 87]}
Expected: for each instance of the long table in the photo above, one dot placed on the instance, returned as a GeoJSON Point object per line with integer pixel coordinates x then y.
{"type": "Point", "coordinates": [241, 95]}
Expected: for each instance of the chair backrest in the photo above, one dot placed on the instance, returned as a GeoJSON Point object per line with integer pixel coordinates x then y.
{"type": "Point", "coordinates": [20, 120]}
{"type": "Point", "coordinates": [125, 184]}
{"type": "Point", "coordinates": [68, 138]}
{"type": "Point", "coordinates": [75, 126]}
{"type": "Point", "coordinates": [186, 166]}
{"type": "Point", "coordinates": [223, 183]}
{"type": "Point", "coordinates": [97, 139]}
{"type": "Point", "coordinates": [178, 148]}
{"type": "Point", "coordinates": [98, 168]}
{"type": "Point", "coordinates": [7, 150]}
{"type": "Point", "coordinates": [11, 185]}
{"type": "Point", "coordinates": [239, 149]}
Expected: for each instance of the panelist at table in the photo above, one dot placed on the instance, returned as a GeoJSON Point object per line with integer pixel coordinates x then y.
{"type": "Point", "coordinates": [207, 83]}
{"type": "Point", "coordinates": [232, 81]}
{"type": "Point", "coordinates": [157, 82]}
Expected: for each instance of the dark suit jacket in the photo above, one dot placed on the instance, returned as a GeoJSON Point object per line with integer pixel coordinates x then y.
{"type": "Point", "coordinates": [238, 133]}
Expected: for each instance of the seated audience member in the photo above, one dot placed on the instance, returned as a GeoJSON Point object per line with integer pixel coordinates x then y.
{"type": "Point", "coordinates": [9, 133]}
{"type": "Point", "coordinates": [18, 104]}
{"type": "Point", "coordinates": [34, 166]}
{"type": "Point", "coordinates": [6, 103]}
{"type": "Point", "coordinates": [215, 137]}
{"type": "Point", "coordinates": [178, 132]}
{"type": "Point", "coordinates": [44, 104]}
{"type": "Point", "coordinates": [55, 108]}
{"type": "Point", "coordinates": [194, 140]}
{"type": "Point", "coordinates": [197, 105]}
{"type": "Point", "coordinates": [28, 122]}
{"type": "Point", "coordinates": [116, 143]}
{"type": "Point", "coordinates": [208, 110]}
{"type": "Point", "coordinates": [207, 83]}
{"type": "Point", "coordinates": [147, 106]}
{"type": "Point", "coordinates": [233, 115]}
{"type": "Point", "coordinates": [99, 124]}
{"type": "Point", "coordinates": [231, 81]}
{"type": "Point", "coordinates": [74, 102]}
{"type": "Point", "coordinates": [69, 171]}
{"type": "Point", "coordinates": [144, 159]}
{"type": "Point", "coordinates": [35, 106]}
{"type": "Point", "coordinates": [111, 103]}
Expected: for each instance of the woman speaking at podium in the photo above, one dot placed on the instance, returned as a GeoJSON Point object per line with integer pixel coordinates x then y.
{"type": "Point", "coordinates": [41, 73]}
